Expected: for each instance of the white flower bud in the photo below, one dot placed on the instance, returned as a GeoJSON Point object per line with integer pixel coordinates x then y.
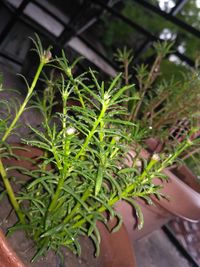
{"type": "Point", "coordinates": [189, 142]}
{"type": "Point", "coordinates": [106, 96]}
{"type": "Point", "coordinates": [47, 56]}
{"type": "Point", "coordinates": [70, 130]}
{"type": "Point", "coordinates": [156, 157]}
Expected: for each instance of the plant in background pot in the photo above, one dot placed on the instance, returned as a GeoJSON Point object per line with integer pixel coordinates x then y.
{"type": "Point", "coordinates": [168, 111]}
{"type": "Point", "coordinates": [83, 168]}
{"type": "Point", "coordinates": [172, 113]}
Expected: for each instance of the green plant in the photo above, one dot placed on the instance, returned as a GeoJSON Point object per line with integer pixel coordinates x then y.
{"type": "Point", "coordinates": [44, 59]}
{"type": "Point", "coordinates": [82, 172]}
{"type": "Point", "coordinates": [168, 110]}
{"type": "Point", "coordinates": [191, 159]}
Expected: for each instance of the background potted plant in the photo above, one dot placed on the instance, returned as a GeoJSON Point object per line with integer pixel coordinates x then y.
{"type": "Point", "coordinates": [168, 112]}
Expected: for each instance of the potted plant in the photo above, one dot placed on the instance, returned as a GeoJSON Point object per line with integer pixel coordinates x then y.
{"type": "Point", "coordinates": [168, 111]}
{"type": "Point", "coordinates": [82, 169]}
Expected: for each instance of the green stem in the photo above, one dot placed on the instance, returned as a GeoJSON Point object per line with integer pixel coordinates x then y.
{"type": "Point", "coordinates": [171, 158]}
{"type": "Point", "coordinates": [133, 116]}
{"type": "Point", "coordinates": [22, 107]}
{"type": "Point", "coordinates": [77, 206]}
{"type": "Point", "coordinates": [101, 209]}
{"type": "Point", "coordinates": [57, 194]}
{"type": "Point", "coordinates": [3, 173]}
{"type": "Point", "coordinates": [61, 181]}
{"type": "Point", "coordinates": [10, 193]}
{"type": "Point", "coordinates": [151, 163]}
{"type": "Point", "coordinates": [61, 168]}
{"type": "Point", "coordinates": [91, 133]}
{"type": "Point", "coordinates": [71, 78]}
{"type": "Point", "coordinates": [79, 95]}
{"type": "Point", "coordinates": [151, 78]}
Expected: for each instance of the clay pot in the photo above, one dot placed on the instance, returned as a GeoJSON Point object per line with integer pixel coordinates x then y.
{"type": "Point", "coordinates": [187, 176]}
{"type": "Point", "coordinates": [8, 258]}
{"type": "Point", "coordinates": [177, 192]}
{"type": "Point", "coordinates": [154, 145]}
{"type": "Point", "coordinates": [154, 218]}
{"type": "Point", "coordinates": [181, 187]}
{"type": "Point", "coordinates": [27, 155]}
{"type": "Point", "coordinates": [182, 199]}
{"type": "Point", "coordinates": [162, 210]}
{"type": "Point", "coordinates": [116, 248]}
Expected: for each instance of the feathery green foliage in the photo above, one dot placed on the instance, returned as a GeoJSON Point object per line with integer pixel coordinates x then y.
{"type": "Point", "coordinates": [85, 168]}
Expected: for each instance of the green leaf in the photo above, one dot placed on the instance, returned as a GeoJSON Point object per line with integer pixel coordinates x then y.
{"type": "Point", "coordinates": [41, 250]}
{"type": "Point", "coordinates": [106, 205]}
{"type": "Point", "coordinates": [121, 92]}
{"type": "Point", "coordinates": [3, 194]}
{"type": "Point", "coordinates": [121, 122]}
{"type": "Point", "coordinates": [96, 243]}
{"type": "Point", "coordinates": [87, 89]}
{"type": "Point", "coordinates": [114, 82]}
{"type": "Point", "coordinates": [118, 224]}
{"type": "Point", "coordinates": [99, 179]}
{"type": "Point", "coordinates": [53, 231]}
{"type": "Point", "coordinates": [138, 211]}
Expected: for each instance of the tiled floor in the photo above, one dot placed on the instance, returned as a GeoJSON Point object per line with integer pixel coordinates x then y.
{"type": "Point", "coordinates": [156, 250]}
{"type": "Point", "coordinates": [189, 236]}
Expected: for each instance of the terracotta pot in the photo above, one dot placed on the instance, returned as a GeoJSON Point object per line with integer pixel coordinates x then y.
{"type": "Point", "coordinates": [187, 176]}
{"type": "Point", "coordinates": [8, 258]}
{"type": "Point", "coordinates": [181, 187]}
{"type": "Point", "coordinates": [154, 218]}
{"type": "Point", "coordinates": [154, 145]}
{"type": "Point", "coordinates": [28, 155]}
{"type": "Point", "coordinates": [116, 248]}
{"type": "Point", "coordinates": [182, 199]}
{"type": "Point", "coordinates": [154, 215]}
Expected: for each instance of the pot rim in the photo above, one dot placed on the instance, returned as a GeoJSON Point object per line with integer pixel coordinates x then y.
{"type": "Point", "coordinates": [184, 201]}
